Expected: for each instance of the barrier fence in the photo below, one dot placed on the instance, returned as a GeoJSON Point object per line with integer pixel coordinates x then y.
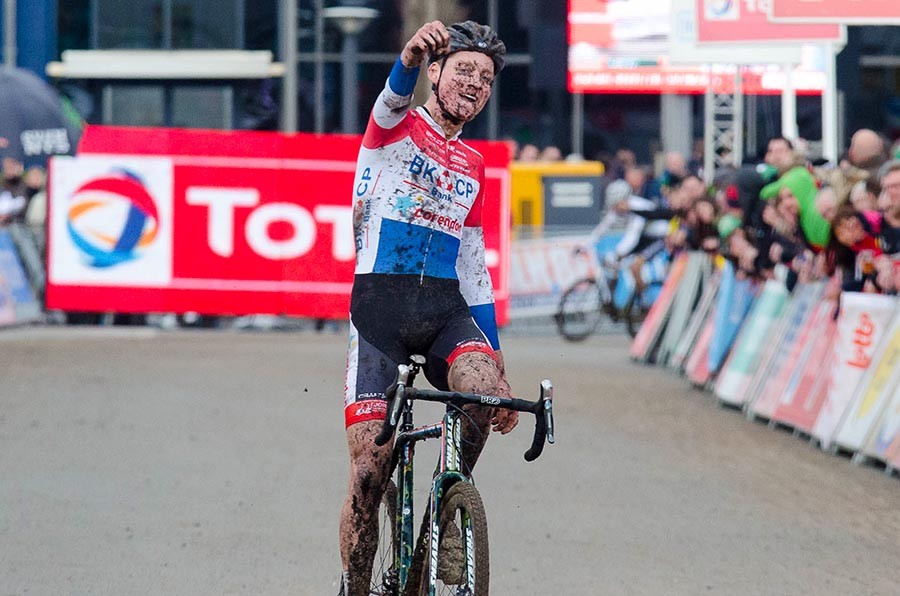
{"type": "Point", "coordinates": [827, 370]}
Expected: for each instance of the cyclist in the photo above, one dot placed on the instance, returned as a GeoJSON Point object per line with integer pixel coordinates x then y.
{"type": "Point", "coordinates": [624, 210]}
{"type": "Point", "coordinates": [421, 285]}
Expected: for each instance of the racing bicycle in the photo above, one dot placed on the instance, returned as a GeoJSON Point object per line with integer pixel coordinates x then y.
{"type": "Point", "coordinates": [584, 303]}
{"type": "Point", "coordinates": [450, 556]}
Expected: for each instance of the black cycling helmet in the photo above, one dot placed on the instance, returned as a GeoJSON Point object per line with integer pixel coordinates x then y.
{"type": "Point", "coordinates": [473, 37]}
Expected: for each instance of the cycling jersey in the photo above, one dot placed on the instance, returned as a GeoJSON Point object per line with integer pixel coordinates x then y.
{"type": "Point", "coordinates": [417, 201]}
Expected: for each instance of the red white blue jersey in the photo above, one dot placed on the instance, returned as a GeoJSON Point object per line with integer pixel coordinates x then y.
{"type": "Point", "coordinates": [418, 200]}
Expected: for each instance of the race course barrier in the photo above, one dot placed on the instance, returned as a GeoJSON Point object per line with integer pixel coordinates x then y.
{"type": "Point", "coordinates": [17, 300]}
{"type": "Point", "coordinates": [828, 370]}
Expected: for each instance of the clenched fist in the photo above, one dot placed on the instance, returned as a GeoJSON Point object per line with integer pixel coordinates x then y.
{"type": "Point", "coordinates": [431, 38]}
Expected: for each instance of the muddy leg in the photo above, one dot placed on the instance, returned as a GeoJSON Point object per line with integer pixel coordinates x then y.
{"type": "Point", "coordinates": [369, 471]}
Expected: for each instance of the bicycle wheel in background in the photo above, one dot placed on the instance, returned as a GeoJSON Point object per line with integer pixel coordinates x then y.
{"type": "Point", "coordinates": [579, 310]}
{"type": "Point", "coordinates": [463, 564]}
{"type": "Point", "coordinates": [385, 576]}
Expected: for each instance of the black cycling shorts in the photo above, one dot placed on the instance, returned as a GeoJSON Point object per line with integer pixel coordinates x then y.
{"type": "Point", "coordinates": [393, 317]}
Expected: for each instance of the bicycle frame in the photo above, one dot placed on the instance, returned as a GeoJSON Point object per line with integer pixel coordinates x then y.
{"type": "Point", "coordinates": [401, 397]}
{"type": "Point", "coordinates": [449, 472]}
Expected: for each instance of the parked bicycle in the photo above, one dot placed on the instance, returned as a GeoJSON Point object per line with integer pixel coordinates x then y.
{"type": "Point", "coordinates": [585, 303]}
{"type": "Point", "coordinates": [451, 555]}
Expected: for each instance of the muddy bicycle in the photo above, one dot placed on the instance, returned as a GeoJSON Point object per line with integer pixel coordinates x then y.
{"type": "Point", "coordinates": [451, 554]}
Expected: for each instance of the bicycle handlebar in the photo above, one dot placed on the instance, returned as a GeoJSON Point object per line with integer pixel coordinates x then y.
{"type": "Point", "coordinates": [401, 390]}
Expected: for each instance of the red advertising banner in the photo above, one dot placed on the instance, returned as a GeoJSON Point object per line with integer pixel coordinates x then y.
{"type": "Point", "coordinates": [742, 21]}
{"type": "Point", "coordinates": [229, 223]}
{"type": "Point", "coordinates": [850, 12]}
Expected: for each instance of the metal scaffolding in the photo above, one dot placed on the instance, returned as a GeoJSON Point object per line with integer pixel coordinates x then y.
{"type": "Point", "coordinates": [724, 129]}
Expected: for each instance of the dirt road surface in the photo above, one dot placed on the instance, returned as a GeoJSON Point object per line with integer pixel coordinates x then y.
{"type": "Point", "coordinates": [142, 462]}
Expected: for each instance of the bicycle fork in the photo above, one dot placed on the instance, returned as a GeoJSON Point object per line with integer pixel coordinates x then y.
{"type": "Point", "coordinates": [449, 474]}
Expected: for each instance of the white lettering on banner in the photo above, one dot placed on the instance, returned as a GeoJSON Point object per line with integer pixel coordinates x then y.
{"type": "Point", "coordinates": [48, 141]}
{"type": "Point", "coordinates": [757, 5]}
{"type": "Point", "coordinates": [299, 243]}
{"type": "Point", "coordinates": [341, 220]}
{"type": "Point", "coordinates": [222, 203]}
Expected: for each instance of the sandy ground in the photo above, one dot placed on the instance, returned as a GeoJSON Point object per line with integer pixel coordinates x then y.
{"type": "Point", "coordinates": [140, 462]}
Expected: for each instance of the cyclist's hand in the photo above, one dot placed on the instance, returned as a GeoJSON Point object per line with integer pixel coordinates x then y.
{"type": "Point", "coordinates": [431, 38]}
{"type": "Point", "coordinates": [504, 420]}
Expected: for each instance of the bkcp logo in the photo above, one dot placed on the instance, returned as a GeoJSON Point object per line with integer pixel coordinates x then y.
{"type": "Point", "coordinates": [113, 218]}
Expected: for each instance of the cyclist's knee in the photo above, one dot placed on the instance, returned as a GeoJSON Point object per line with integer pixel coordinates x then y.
{"type": "Point", "coordinates": [474, 372]}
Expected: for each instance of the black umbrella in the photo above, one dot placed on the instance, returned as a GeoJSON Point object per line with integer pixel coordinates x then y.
{"type": "Point", "coordinates": [33, 122]}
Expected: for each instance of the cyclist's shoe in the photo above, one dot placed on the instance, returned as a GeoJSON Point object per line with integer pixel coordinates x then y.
{"type": "Point", "coordinates": [610, 309]}
{"type": "Point", "coordinates": [451, 567]}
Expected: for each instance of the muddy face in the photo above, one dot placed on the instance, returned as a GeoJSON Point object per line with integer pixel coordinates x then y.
{"type": "Point", "coordinates": [464, 85]}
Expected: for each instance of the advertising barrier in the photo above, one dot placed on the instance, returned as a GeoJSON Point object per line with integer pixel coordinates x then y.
{"type": "Point", "coordinates": [795, 363]}
{"type": "Point", "coordinates": [697, 366]}
{"type": "Point", "coordinates": [17, 301]}
{"type": "Point", "coordinates": [806, 323]}
{"type": "Point", "coordinates": [883, 442]}
{"type": "Point", "coordinates": [169, 220]}
{"type": "Point", "coordinates": [735, 299]}
{"type": "Point", "coordinates": [871, 396]}
{"type": "Point", "coordinates": [705, 308]}
{"type": "Point", "coordinates": [805, 394]}
{"type": "Point", "coordinates": [862, 323]}
{"type": "Point", "coordinates": [645, 342]}
{"type": "Point", "coordinates": [541, 270]}
{"type": "Point", "coordinates": [686, 297]}
{"type": "Point", "coordinates": [733, 380]}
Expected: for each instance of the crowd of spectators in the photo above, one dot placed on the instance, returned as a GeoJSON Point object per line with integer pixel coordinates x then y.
{"type": "Point", "coordinates": [786, 216]}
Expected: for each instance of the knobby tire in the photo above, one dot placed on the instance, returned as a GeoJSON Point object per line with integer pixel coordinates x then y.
{"type": "Point", "coordinates": [461, 497]}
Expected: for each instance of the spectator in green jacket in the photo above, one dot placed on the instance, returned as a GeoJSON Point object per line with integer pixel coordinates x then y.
{"type": "Point", "coordinates": [802, 185]}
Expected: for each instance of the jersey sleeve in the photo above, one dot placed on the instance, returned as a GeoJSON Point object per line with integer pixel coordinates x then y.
{"type": "Point", "coordinates": [474, 279]}
{"type": "Point", "coordinates": [391, 107]}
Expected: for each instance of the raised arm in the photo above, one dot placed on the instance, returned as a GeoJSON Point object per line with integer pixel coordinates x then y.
{"type": "Point", "coordinates": [396, 97]}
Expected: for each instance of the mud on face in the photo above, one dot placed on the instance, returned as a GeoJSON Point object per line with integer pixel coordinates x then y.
{"type": "Point", "coordinates": [465, 84]}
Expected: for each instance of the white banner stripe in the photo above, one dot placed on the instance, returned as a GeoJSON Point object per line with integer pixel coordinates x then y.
{"type": "Point", "coordinates": [253, 285]}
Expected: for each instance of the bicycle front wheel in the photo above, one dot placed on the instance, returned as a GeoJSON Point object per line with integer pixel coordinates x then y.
{"type": "Point", "coordinates": [579, 310]}
{"type": "Point", "coordinates": [385, 576]}
{"type": "Point", "coordinates": [463, 565]}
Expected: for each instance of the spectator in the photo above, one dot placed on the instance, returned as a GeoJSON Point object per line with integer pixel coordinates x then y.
{"type": "Point", "coordinates": [625, 159]}
{"type": "Point", "coordinates": [867, 150]}
{"type": "Point", "coordinates": [864, 157]}
{"type": "Point", "coordinates": [551, 153]}
{"type": "Point", "coordinates": [529, 153]}
{"type": "Point", "coordinates": [826, 203]}
{"type": "Point", "coordinates": [864, 195]}
{"type": "Point", "coordinates": [803, 186]}
{"type": "Point", "coordinates": [855, 247]}
{"type": "Point", "coordinates": [638, 178]}
{"type": "Point", "coordinates": [13, 192]}
{"type": "Point", "coordinates": [674, 170]}
{"type": "Point", "coordinates": [890, 219]}
{"type": "Point", "coordinates": [780, 157]}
